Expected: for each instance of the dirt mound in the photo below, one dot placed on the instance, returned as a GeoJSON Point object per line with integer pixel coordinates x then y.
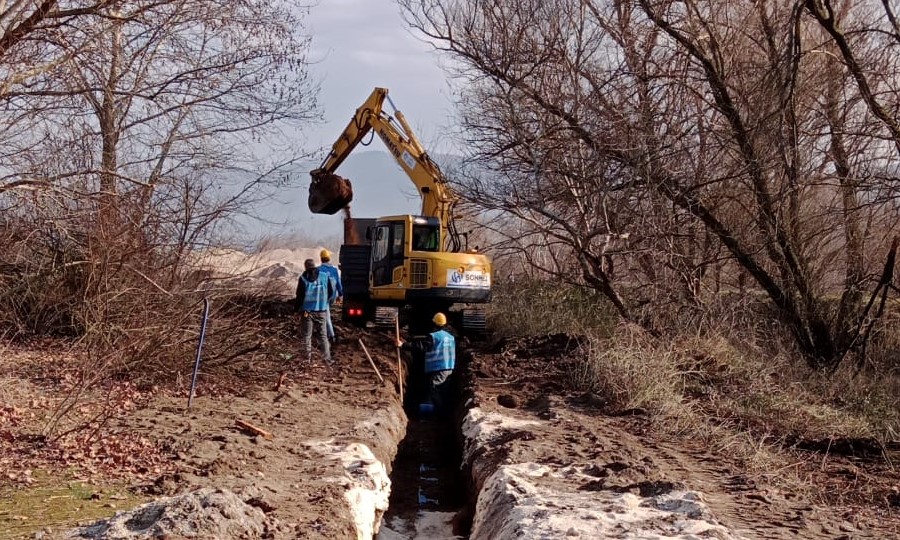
{"type": "Point", "coordinates": [527, 494]}
{"type": "Point", "coordinates": [206, 513]}
{"type": "Point", "coordinates": [549, 460]}
{"type": "Point", "coordinates": [275, 270]}
{"type": "Point", "coordinates": [279, 270]}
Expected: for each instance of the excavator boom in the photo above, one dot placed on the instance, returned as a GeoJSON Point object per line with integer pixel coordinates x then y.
{"type": "Point", "coordinates": [329, 193]}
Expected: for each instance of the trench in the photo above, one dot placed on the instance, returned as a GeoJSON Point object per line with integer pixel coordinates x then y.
{"type": "Point", "coordinates": [429, 498]}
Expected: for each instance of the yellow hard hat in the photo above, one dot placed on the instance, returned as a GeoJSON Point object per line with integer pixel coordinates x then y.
{"type": "Point", "coordinates": [324, 254]}
{"type": "Point", "coordinates": [439, 319]}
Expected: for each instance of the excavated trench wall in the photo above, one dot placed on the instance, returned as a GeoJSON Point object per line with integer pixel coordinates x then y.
{"type": "Point", "coordinates": [523, 484]}
{"type": "Point", "coordinates": [355, 465]}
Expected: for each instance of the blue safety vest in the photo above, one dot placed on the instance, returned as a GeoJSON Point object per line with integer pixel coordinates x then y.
{"type": "Point", "coordinates": [335, 277]}
{"type": "Point", "coordinates": [316, 298]}
{"type": "Point", "coordinates": [442, 355]}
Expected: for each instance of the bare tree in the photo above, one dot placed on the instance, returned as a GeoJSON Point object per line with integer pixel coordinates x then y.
{"type": "Point", "coordinates": [868, 45]}
{"type": "Point", "coordinates": [148, 124]}
{"type": "Point", "coordinates": [701, 129]}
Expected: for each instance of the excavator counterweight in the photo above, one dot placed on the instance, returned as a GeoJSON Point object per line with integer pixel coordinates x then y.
{"type": "Point", "coordinates": [328, 192]}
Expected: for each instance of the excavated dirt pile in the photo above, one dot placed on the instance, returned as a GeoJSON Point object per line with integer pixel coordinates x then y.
{"type": "Point", "coordinates": [549, 461]}
{"type": "Point", "coordinates": [210, 513]}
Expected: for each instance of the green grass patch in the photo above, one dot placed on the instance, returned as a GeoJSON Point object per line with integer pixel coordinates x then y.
{"type": "Point", "coordinates": [59, 504]}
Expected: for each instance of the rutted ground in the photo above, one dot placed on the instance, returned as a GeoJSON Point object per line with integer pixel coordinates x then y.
{"type": "Point", "coordinates": [549, 464]}
{"type": "Point", "coordinates": [323, 474]}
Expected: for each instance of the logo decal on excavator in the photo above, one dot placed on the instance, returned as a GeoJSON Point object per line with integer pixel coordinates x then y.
{"type": "Point", "coordinates": [468, 278]}
{"type": "Point", "coordinates": [408, 159]}
{"type": "Point", "coordinates": [394, 149]}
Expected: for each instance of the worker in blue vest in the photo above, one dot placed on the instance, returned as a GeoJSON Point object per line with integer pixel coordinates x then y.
{"type": "Point", "coordinates": [325, 257]}
{"type": "Point", "coordinates": [439, 349]}
{"type": "Point", "coordinates": [315, 292]}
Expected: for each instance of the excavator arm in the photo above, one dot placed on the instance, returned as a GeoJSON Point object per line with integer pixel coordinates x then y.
{"type": "Point", "coordinates": [330, 193]}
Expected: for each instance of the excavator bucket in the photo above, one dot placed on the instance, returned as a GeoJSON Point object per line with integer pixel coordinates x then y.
{"type": "Point", "coordinates": [328, 193]}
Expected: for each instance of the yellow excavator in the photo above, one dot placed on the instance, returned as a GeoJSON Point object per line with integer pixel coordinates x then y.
{"type": "Point", "coordinates": [417, 262]}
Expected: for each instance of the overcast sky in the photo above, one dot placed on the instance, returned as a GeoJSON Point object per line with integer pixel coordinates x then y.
{"type": "Point", "coordinates": [361, 44]}
{"type": "Point", "coordinates": [358, 45]}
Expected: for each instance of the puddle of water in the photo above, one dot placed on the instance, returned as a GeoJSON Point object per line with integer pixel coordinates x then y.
{"type": "Point", "coordinates": [426, 485]}
{"type": "Point", "coordinates": [426, 526]}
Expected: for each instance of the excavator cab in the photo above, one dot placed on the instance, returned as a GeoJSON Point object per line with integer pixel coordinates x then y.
{"type": "Point", "coordinates": [328, 192]}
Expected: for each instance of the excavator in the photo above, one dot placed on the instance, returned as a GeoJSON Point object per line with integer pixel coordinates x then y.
{"type": "Point", "coordinates": [417, 262]}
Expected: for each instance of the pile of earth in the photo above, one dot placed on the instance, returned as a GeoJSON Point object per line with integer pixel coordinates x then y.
{"type": "Point", "coordinates": [205, 513]}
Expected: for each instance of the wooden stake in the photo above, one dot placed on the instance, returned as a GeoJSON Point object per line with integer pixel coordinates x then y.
{"type": "Point", "coordinates": [365, 350]}
{"type": "Point", "coordinates": [399, 362]}
{"type": "Point", "coordinates": [247, 426]}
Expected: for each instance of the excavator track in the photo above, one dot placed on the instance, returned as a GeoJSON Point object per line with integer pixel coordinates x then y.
{"type": "Point", "coordinates": [474, 320]}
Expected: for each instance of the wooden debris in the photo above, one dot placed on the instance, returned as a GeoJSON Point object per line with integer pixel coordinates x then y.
{"type": "Point", "coordinates": [365, 350]}
{"type": "Point", "coordinates": [399, 361]}
{"type": "Point", "coordinates": [247, 426]}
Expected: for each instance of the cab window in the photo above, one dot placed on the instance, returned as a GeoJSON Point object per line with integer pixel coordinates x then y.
{"type": "Point", "coordinates": [426, 237]}
{"type": "Point", "coordinates": [397, 239]}
{"type": "Point", "coordinates": [380, 250]}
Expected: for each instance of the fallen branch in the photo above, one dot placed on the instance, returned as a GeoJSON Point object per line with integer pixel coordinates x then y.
{"type": "Point", "coordinates": [363, 345]}
{"type": "Point", "coordinates": [280, 381]}
{"type": "Point", "coordinates": [247, 426]}
{"type": "Point", "coordinates": [399, 361]}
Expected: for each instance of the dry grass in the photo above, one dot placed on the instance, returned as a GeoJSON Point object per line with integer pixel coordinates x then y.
{"type": "Point", "coordinates": [527, 308]}
{"type": "Point", "coordinates": [737, 375]}
{"type": "Point", "coordinates": [760, 411]}
{"type": "Point", "coordinates": [729, 379]}
{"type": "Point", "coordinates": [630, 371]}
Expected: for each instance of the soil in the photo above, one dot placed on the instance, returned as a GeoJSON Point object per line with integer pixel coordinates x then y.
{"type": "Point", "coordinates": [319, 416]}
{"type": "Point", "coordinates": [526, 382]}
{"type": "Point", "coordinates": [548, 439]}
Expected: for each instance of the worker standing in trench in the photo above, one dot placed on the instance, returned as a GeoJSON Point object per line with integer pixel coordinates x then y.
{"type": "Point", "coordinates": [439, 349]}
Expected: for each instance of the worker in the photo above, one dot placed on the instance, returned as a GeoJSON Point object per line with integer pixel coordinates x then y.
{"type": "Point", "coordinates": [325, 257]}
{"type": "Point", "coordinates": [439, 348]}
{"type": "Point", "coordinates": [315, 291]}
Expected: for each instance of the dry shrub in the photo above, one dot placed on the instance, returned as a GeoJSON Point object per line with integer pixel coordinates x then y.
{"type": "Point", "coordinates": [128, 306]}
{"type": "Point", "coordinates": [740, 394]}
{"type": "Point", "coordinates": [530, 307]}
{"type": "Point", "coordinates": [631, 370]}
{"type": "Point", "coordinates": [725, 370]}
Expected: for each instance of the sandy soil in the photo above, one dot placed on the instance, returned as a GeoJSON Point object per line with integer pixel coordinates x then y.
{"type": "Point", "coordinates": [548, 451]}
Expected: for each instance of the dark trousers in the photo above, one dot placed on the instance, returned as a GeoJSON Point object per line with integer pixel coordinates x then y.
{"type": "Point", "coordinates": [437, 382]}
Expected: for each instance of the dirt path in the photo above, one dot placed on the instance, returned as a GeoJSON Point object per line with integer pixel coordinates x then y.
{"type": "Point", "coordinates": [545, 439]}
